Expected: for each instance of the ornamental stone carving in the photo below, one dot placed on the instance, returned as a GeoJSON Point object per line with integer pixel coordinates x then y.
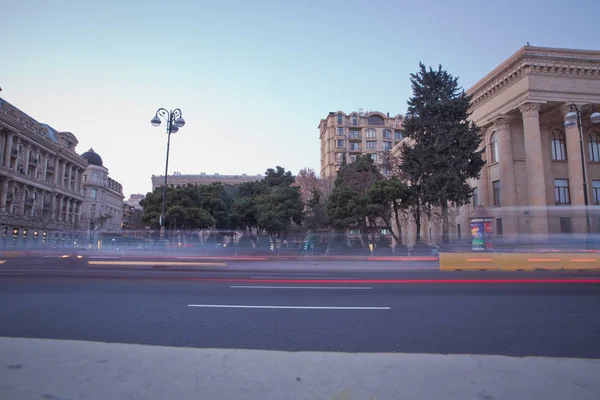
{"type": "Point", "coordinates": [530, 110]}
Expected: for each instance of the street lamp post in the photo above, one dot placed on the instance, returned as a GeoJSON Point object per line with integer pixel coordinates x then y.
{"type": "Point", "coordinates": [574, 118]}
{"type": "Point", "coordinates": [174, 121]}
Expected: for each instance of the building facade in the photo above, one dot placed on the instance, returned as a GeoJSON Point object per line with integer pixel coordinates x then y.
{"type": "Point", "coordinates": [134, 201]}
{"type": "Point", "coordinates": [102, 208]}
{"type": "Point", "coordinates": [532, 183]}
{"type": "Point", "coordinates": [40, 182]}
{"type": "Point", "coordinates": [348, 136]}
{"type": "Point", "coordinates": [179, 180]}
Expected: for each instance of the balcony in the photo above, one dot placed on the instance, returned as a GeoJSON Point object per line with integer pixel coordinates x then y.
{"type": "Point", "coordinates": [355, 137]}
{"type": "Point", "coordinates": [29, 202]}
{"type": "Point", "coordinates": [14, 153]}
{"type": "Point", "coordinates": [50, 169]}
{"type": "Point", "coordinates": [355, 149]}
{"type": "Point", "coordinates": [10, 197]}
{"type": "Point", "coordinates": [33, 162]}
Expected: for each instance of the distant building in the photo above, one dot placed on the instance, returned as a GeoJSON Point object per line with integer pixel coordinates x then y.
{"type": "Point", "coordinates": [348, 136]}
{"type": "Point", "coordinates": [134, 201]}
{"type": "Point", "coordinates": [40, 182]}
{"type": "Point", "coordinates": [180, 180]}
{"type": "Point", "coordinates": [102, 209]}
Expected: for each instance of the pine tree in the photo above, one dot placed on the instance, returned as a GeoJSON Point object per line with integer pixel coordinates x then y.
{"type": "Point", "coordinates": [444, 153]}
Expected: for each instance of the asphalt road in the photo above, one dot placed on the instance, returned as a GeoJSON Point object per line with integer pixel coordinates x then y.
{"type": "Point", "coordinates": [348, 311]}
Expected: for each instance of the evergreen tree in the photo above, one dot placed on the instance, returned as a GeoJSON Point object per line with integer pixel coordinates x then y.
{"type": "Point", "coordinates": [443, 155]}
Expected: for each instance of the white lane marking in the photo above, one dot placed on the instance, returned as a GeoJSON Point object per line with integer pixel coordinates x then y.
{"type": "Point", "coordinates": [102, 257]}
{"type": "Point", "coordinates": [304, 287]}
{"type": "Point", "coordinates": [301, 277]}
{"type": "Point", "coordinates": [288, 307]}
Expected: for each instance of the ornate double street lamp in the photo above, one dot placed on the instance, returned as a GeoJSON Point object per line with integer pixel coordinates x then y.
{"type": "Point", "coordinates": [572, 119]}
{"type": "Point", "coordinates": [174, 121]}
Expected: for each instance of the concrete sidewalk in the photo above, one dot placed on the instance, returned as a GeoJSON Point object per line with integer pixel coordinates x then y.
{"type": "Point", "coordinates": [69, 370]}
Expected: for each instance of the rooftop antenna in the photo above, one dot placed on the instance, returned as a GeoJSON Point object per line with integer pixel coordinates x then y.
{"type": "Point", "coordinates": [528, 44]}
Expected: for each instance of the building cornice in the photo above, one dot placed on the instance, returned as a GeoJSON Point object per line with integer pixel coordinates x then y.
{"type": "Point", "coordinates": [535, 60]}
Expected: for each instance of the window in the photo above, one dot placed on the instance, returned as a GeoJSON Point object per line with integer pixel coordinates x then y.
{"type": "Point", "coordinates": [354, 134]}
{"type": "Point", "coordinates": [596, 191]}
{"type": "Point", "coordinates": [93, 193]}
{"type": "Point", "coordinates": [385, 231]}
{"type": "Point", "coordinates": [475, 199]}
{"type": "Point", "coordinates": [561, 191]}
{"type": "Point", "coordinates": [565, 225]}
{"type": "Point", "coordinates": [373, 156]}
{"type": "Point", "coordinates": [353, 157]}
{"type": "Point", "coordinates": [85, 178]}
{"type": "Point", "coordinates": [594, 147]}
{"type": "Point", "coordinates": [371, 144]}
{"type": "Point", "coordinates": [340, 131]}
{"type": "Point", "coordinates": [496, 187]}
{"type": "Point", "coordinates": [387, 145]}
{"type": "Point", "coordinates": [354, 146]}
{"type": "Point", "coordinates": [387, 134]}
{"type": "Point", "coordinates": [95, 177]}
{"type": "Point", "coordinates": [93, 209]}
{"type": "Point", "coordinates": [340, 143]}
{"type": "Point", "coordinates": [354, 120]}
{"type": "Point", "coordinates": [458, 232]}
{"type": "Point", "coordinates": [494, 148]}
{"type": "Point", "coordinates": [339, 157]}
{"type": "Point", "coordinates": [559, 146]}
{"type": "Point", "coordinates": [499, 226]}
{"type": "Point", "coordinates": [339, 118]}
{"type": "Point", "coordinates": [371, 133]}
{"type": "Point", "coordinates": [375, 120]}
{"type": "Point", "coordinates": [398, 135]}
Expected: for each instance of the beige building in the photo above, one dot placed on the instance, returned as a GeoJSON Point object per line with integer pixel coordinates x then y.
{"type": "Point", "coordinates": [180, 180]}
{"type": "Point", "coordinates": [351, 135]}
{"type": "Point", "coordinates": [102, 208]}
{"type": "Point", "coordinates": [41, 179]}
{"type": "Point", "coordinates": [532, 184]}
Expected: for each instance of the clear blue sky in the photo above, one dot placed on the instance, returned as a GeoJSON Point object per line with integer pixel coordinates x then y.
{"type": "Point", "coordinates": [254, 77]}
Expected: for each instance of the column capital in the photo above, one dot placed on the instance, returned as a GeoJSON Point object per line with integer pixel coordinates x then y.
{"type": "Point", "coordinates": [501, 123]}
{"type": "Point", "coordinates": [530, 110]}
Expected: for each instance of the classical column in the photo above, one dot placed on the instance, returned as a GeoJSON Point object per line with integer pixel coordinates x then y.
{"type": "Point", "coordinates": [3, 196]}
{"type": "Point", "coordinates": [54, 203]}
{"type": "Point", "coordinates": [69, 176]}
{"type": "Point", "coordinates": [8, 149]}
{"type": "Point", "coordinates": [535, 169]}
{"type": "Point", "coordinates": [574, 163]}
{"type": "Point", "coordinates": [56, 171]}
{"type": "Point", "coordinates": [21, 200]}
{"type": "Point", "coordinates": [27, 155]}
{"type": "Point", "coordinates": [77, 187]}
{"type": "Point", "coordinates": [61, 199]}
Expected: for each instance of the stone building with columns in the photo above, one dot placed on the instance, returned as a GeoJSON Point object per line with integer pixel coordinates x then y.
{"type": "Point", "coordinates": [102, 208]}
{"type": "Point", "coordinates": [532, 184]}
{"type": "Point", "coordinates": [40, 182]}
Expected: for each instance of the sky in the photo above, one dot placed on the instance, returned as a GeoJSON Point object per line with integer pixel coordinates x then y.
{"type": "Point", "coordinates": [252, 78]}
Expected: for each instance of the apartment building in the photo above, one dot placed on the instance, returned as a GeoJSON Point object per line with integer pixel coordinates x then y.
{"type": "Point", "coordinates": [40, 182]}
{"type": "Point", "coordinates": [347, 136]}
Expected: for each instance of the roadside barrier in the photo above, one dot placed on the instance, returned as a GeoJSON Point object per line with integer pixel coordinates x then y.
{"type": "Point", "coordinates": [519, 262]}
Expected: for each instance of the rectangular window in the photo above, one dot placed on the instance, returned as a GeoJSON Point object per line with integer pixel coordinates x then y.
{"type": "Point", "coordinates": [565, 225]}
{"type": "Point", "coordinates": [354, 134]}
{"type": "Point", "coordinates": [93, 193]}
{"type": "Point", "coordinates": [385, 231]}
{"type": "Point", "coordinates": [371, 145]}
{"type": "Point", "coordinates": [475, 200]}
{"type": "Point", "coordinates": [373, 156]}
{"type": "Point", "coordinates": [339, 157]}
{"type": "Point", "coordinates": [371, 133]}
{"type": "Point", "coordinates": [387, 134]}
{"type": "Point", "coordinates": [93, 209]}
{"type": "Point", "coordinates": [497, 198]}
{"type": "Point", "coordinates": [596, 191]}
{"type": "Point", "coordinates": [354, 146]}
{"type": "Point", "coordinates": [499, 226]}
{"type": "Point", "coordinates": [387, 146]}
{"type": "Point", "coordinates": [354, 231]}
{"type": "Point", "coordinates": [340, 131]}
{"type": "Point", "coordinates": [594, 148]}
{"type": "Point", "coordinates": [398, 136]}
{"type": "Point", "coordinates": [561, 191]}
{"type": "Point", "coordinates": [353, 157]}
{"type": "Point", "coordinates": [340, 143]}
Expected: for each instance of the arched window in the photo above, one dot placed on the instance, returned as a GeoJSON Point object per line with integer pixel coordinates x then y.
{"type": "Point", "coordinates": [339, 118]}
{"type": "Point", "coordinates": [559, 146]}
{"type": "Point", "coordinates": [354, 120]}
{"type": "Point", "coordinates": [594, 147]}
{"type": "Point", "coordinates": [494, 156]}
